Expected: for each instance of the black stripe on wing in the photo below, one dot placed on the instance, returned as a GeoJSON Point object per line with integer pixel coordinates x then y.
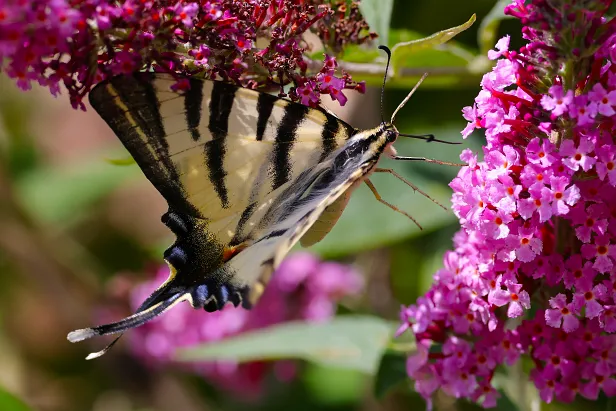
{"type": "Point", "coordinates": [286, 134]}
{"type": "Point", "coordinates": [265, 105]}
{"type": "Point", "coordinates": [128, 104]}
{"type": "Point", "coordinates": [220, 109]}
{"type": "Point", "coordinates": [193, 97]}
{"type": "Point", "coordinates": [328, 136]}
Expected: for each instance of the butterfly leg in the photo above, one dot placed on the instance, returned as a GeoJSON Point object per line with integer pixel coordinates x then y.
{"type": "Point", "coordinates": [393, 207]}
{"type": "Point", "coordinates": [408, 183]}
{"type": "Point", "coordinates": [429, 160]}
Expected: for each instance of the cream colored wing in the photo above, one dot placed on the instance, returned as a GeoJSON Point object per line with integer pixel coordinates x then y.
{"type": "Point", "coordinates": [326, 221]}
{"type": "Point", "coordinates": [215, 151]}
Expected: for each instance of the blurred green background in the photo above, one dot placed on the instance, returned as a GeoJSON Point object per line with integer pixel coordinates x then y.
{"type": "Point", "coordinates": [71, 222]}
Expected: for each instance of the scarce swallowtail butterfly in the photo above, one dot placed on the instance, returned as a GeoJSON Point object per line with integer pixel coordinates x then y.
{"type": "Point", "coordinates": [246, 176]}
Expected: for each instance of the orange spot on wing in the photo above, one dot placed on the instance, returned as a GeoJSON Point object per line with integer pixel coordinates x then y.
{"type": "Point", "coordinates": [230, 252]}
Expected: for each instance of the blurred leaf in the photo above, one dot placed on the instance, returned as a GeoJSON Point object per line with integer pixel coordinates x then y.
{"type": "Point", "coordinates": [402, 50]}
{"type": "Point", "coordinates": [405, 264]}
{"type": "Point", "coordinates": [391, 373]}
{"type": "Point", "coordinates": [353, 342]}
{"type": "Point", "coordinates": [360, 54]}
{"type": "Point", "coordinates": [126, 161]}
{"type": "Point", "coordinates": [333, 385]}
{"type": "Point", "coordinates": [414, 263]}
{"type": "Point", "coordinates": [611, 404]}
{"type": "Point", "coordinates": [488, 28]}
{"type": "Point", "coordinates": [53, 195]}
{"type": "Point", "coordinates": [9, 402]}
{"type": "Point", "coordinates": [504, 403]}
{"type": "Point", "coordinates": [19, 152]}
{"type": "Point", "coordinates": [377, 14]}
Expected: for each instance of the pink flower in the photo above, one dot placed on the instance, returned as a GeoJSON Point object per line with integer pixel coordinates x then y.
{"type": "Point", "coordinates": [562, 314]}
{"type": "Point", "coordinates": [502, 46]}
{"type": "Point", "coordinates": [539, 151]}
{"type": "Point", "coordinates": [186, 12]}
{"type": "Point", "coordinates": [588, 297]}
{"type": "Point", "coordinates": [80, 43]}
{"type": "Point", "coordinates": [517, 299]}
{"type": "Point", "coordinates": [528, 246]}
{"type": "Point", "coordinates": [582, 110]}
{"type": "Point", "coordinates": [602, 251]}
{"type": "Point", "coordinates": [604, 99]}
{"type": "Point", "coordinates": [307, 94]}
{"type": "Point", "coordinates": [563, 197]}
{"type": "Point", "coordinates": [539, 201]}
{"type": "Point", "coordinates": [579, 273]}
{"type": "Point", "coordinates": [557, 101]}
{"type": "Point", "coordinates": [577, 157]}
{"type": "Point", "coordinates": [470, 114]}
{"type": "Point", "coordinates": [589, 220]}
{"type": "Point", "coordinates": [606, 166]}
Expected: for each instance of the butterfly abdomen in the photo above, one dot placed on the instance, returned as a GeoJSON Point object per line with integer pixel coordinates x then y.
{"type": "Point", "coordinates": [196, 262]}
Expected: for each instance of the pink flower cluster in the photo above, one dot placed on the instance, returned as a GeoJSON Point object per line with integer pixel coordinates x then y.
{"type": "Point", "coordinates": [303, 288]}
{"type": "Point", "coordinates": [77, 43]}
{"type": "Point", "coordinates": [533, 271]}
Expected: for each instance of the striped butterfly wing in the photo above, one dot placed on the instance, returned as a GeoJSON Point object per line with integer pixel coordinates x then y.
{"type": "Point", "coordinates": [297, 209]}
{"type": "Point", "coordinates": [216, 150]}
{"type": "Point", "coordinates": [232, 163]}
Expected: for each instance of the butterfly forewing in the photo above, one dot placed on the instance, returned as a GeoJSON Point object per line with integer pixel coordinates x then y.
{"type": "Point", "coordinates": [217, 150]}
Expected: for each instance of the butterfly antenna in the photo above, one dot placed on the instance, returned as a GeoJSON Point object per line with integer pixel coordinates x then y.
{"type": "Point", "coordinates": [388, 51]}
{"type": "Point", "coordinates": [429, 138]}
{"type": "Point", "coordinates": [408, 97]}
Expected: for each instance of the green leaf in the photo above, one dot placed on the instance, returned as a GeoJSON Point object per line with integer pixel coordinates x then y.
{"type": "Point", "coordinates": [126, 161]}
{"type": "Point", "coordinates": [9, 402]}
{"type": "Point", "coordinates": [488, 29]}
{"type": "Point", "coordinates": [391, 373]}
{"type": "Point", "coordinates": [377, 14]}
{"type": "Point", "coordinates": [352, 342]}
{"type": "Point", "coordinates": [54, 195]}
{"type": "Point", "coordinates": [402, 50]}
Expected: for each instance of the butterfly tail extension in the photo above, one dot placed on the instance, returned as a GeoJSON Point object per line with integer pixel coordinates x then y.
{"type": "Point", "coordinates": [140, 317]}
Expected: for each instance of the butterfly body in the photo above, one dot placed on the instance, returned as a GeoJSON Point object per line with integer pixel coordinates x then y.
{"type": "Point", "coordinates": [246, 175]}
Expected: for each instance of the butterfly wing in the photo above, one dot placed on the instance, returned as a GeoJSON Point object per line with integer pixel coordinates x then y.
{"type": "Point", "coordinates": [326, 221]}
{"type": "Point", "coordinates": [235, 166]}
{"type": "Point", "coordinates": [215, 150]}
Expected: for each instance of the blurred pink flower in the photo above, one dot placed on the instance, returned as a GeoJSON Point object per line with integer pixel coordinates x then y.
{"type": "Point", "coordinates": [303, 288]}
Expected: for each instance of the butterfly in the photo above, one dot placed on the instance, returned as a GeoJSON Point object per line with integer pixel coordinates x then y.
{"type": "Point", "coordinates": [246, 175]}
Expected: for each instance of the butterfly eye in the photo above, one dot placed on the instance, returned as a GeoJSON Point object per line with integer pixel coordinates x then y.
{"type": "Point", "coordinates": [391, 136]}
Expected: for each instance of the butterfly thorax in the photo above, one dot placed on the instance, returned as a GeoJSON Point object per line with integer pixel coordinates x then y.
{"type": "Point", "coordinates": [368, 146]}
